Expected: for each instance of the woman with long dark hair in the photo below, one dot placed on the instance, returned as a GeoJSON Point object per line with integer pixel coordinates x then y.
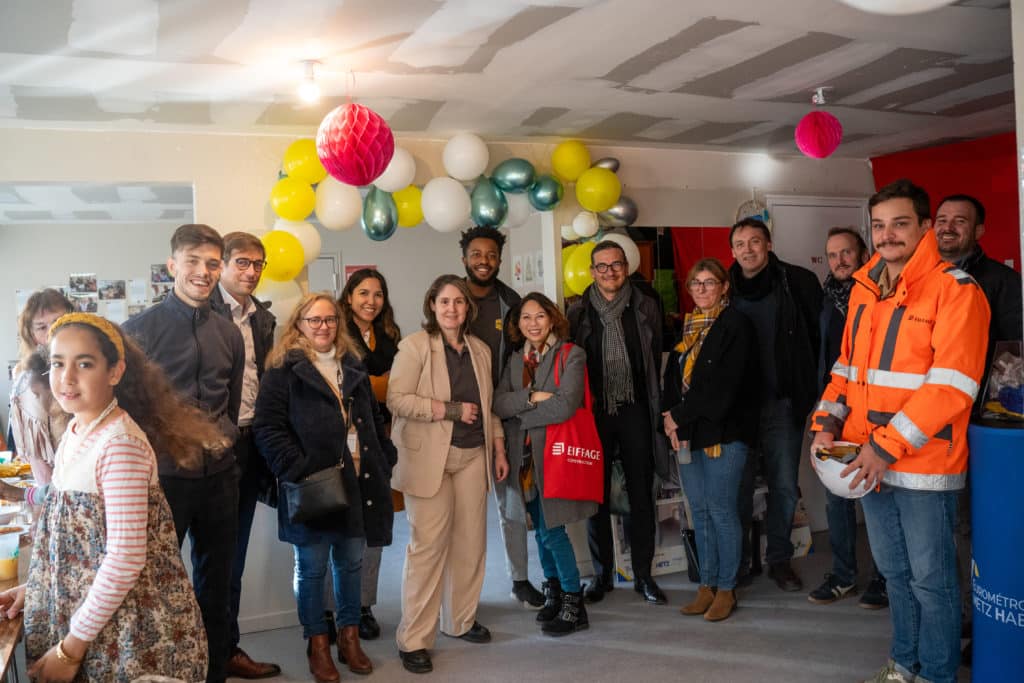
{"type": "Point", "coordinates": [367, 314]}
{"type": "Point", "coordinates": [314, 411]}
{"type": "Point", "coordinates": [107, 596]}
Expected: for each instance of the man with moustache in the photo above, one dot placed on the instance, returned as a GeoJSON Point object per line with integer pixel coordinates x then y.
{"type": "Point", "coordinates": [481, 256]}
{"type": "Point", "coordinates": [203, 355]}
{"type": "Point", "coordinates": [784, 302]}
{"type": "Point", "coordinates": [244, 259]}
{"type": "Point", "coordinates": [959, 224]}
{"type": "Point", "coordinates": [912, 356]}
{"type": "Point", "coordinates": [620, 329]}
{"type": "Point", "coordinates": [846, 252]}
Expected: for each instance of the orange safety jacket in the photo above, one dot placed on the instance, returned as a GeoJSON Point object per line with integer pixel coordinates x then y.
{"type": "Point", "coordinates": [909, 369]}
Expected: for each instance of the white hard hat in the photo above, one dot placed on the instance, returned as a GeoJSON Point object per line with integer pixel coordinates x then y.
{"type": "Point", "coordinates": [829, 469]}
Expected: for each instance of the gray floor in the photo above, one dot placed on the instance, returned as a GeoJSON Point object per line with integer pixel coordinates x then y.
{"type": "Point", "coordinates": [773, 636]}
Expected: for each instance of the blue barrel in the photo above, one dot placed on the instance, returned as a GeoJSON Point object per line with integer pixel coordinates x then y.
{"type": "Point", "coordinates": [997, 530]}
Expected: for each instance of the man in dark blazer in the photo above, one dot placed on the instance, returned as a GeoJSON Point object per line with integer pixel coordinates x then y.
{"type": "Point", "coordinates": [620, 329]}
{"type": "Point", "coordinates": [244, 258]}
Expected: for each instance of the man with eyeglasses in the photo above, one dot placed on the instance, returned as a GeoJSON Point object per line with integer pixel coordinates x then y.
{"type": "Point", "coordinates": [244, 259]}
{"type": "Point", "coordinates": [620, 329]}
{"type": "Point", "coordinates": [203, 355]}
{"type": "Point", "coordinates": [784, 303]}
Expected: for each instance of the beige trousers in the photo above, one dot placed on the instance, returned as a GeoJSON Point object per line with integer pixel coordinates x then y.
{"type": "Point", "coordinates": [444, 561]}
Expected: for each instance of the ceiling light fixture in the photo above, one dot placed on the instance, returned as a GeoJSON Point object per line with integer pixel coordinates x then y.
{"type": "Point", "coordinates": [309, 90]}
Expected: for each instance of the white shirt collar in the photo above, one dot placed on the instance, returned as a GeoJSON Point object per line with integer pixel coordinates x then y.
{"type": "Point", "coordinates": [237, 310]}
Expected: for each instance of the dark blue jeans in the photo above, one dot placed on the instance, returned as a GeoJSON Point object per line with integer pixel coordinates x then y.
{"type": "Point", "coordinates": [912, 539]}
{"type": "Point", "coordinates": [712, 486]}
{"type": "Point", "coordinates": [554, 548]}
{"type": "Point", "coordinates": [345, 558]}
{"type": "Point", "coordinates": [207, 510]}
{"type": "Point", "coordinates": [780, 441]}
{"type": "Point", "coordinates": [842, 536]}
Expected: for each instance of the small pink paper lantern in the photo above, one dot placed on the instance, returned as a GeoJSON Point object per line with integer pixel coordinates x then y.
{"type": "Point", "coordinates": [354, 144]}
{"type": "Point", "coordinates": [818, 134]}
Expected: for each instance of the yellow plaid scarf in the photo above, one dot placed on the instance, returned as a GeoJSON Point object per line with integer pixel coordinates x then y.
{"type": "Point", "coordinates": [696, 326]}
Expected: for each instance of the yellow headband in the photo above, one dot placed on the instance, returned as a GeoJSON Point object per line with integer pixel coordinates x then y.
{"type": "Point", "coordinates": [94, 321]}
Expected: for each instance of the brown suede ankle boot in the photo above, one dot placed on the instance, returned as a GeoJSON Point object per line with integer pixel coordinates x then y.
{"type": "Point", "coordinates": [722, 607]}
{"type": "Point", "coordinates": [321, 664]}
{"type": "Point", "coordinates": [701, 603]}
{"type": "Point", "coordinates": [350, 652]}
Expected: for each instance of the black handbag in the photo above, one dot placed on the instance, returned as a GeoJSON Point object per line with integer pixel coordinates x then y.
{"type": "Point", "coordinates": [319, 494]}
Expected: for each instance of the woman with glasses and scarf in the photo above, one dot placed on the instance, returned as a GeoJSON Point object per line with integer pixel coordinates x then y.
{"type": "Point", "coordinates": [710, 422]}
{"type": "Point", "coordinates": [316, 407]}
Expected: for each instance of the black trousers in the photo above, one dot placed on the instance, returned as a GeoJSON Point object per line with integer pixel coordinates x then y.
{"type": "Point", "coordinates": [252, 483]}
{"type": "Point", "coordinates": [207, 510]}
{"type": "Point", "coordinates": [627, 437]}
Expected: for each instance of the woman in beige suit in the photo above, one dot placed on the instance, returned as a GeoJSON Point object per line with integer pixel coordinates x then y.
{"type": "Point", "coordinates": [450, 448]}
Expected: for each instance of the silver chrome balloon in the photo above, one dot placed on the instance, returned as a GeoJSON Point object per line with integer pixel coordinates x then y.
{"type": "Point", "coordinates": [624, 213]}
{"type": "Point", "coordinates": [611, 163]}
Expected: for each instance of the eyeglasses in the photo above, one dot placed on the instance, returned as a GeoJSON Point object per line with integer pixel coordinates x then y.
{"type": "Point", "coordinates": [317, 323]}
{"type": "Point", "coordinates": [710, 283]}
{"type": "Point", "coordinates": [244, 263]}
{"type": "Point", "coordinates": [614, 266]}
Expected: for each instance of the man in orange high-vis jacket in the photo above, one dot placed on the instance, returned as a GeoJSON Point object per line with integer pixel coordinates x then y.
{"type": "Point", "coordinates": [912, 355]}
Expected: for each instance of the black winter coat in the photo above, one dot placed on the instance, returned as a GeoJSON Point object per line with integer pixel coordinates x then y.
{"type": "Point", "coordinates": [721, 405]}
{"type": "Point", "coordinates": [797, 341]}
{"type": "Point", "coordinates": [299, 430]}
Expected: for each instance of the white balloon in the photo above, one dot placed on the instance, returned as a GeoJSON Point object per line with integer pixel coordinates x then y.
{"type": "Point", "coordinates": [283, 296]}
{"type": "Point", "coordinates": [465, 157]}
{"type": "Point", "coordinates": [897, 6]}
{"type": "Point", "coordinates": [338, 206]}
{"type": "Point", "coordinates": [629, 248]}
{"type": "Point", "coordinates": [399, 174]}
{"type": "Point", "coordinates": [306, 234]}
{"type": "Point", "coordinates": [445, 204]}
{"type": "Point", "coordinates": [568, 233]}
{"type": "Point", "coordinates": [518, 210]}
{"type": "Point", "coordinates": [585, 224]}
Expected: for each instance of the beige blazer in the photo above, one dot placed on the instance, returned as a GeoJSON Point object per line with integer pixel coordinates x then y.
{"type": "Point", "coordinates": [419, 375]}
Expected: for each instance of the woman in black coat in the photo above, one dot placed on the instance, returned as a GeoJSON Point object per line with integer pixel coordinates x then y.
{"type": "Point", "coordinates": [710, 378]}
{"type": "Point", "coordinates": [367, 314]}
{"type": "Point", "coordinates": [315, 405]}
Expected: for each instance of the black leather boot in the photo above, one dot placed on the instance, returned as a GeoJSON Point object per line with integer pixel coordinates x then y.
{"type": "Point", "coordinates": [572, 617]}
{"type": "Point", "coordinates": [552, 601]}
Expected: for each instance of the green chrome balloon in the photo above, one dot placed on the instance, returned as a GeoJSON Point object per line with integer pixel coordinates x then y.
{"type": "Point", "coordinates": [380, 215]}
{"type": "Point", "coordinates": [488, 203]}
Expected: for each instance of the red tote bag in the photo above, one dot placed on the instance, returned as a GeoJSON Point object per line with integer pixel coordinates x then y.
{"type": "Point", "coordinates": [573, 456]}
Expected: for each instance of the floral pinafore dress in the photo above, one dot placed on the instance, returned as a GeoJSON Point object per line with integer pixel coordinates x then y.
{"type": "Point", "coordinates": [158, 629]}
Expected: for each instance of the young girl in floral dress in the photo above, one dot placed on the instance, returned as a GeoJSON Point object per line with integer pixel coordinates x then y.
{"type": "Point", "coordinates": [107, 596]}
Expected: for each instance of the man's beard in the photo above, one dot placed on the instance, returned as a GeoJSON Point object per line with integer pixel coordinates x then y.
{"type": "Point", "coordinates": [473, 279]}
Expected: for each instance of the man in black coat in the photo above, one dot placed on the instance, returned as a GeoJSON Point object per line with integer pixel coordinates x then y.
{"type": "Point", "coordinates": [620, 329]}
{"type": "Point", "coordinates": [846, 252]}
{"type": "Point", "coordinates": [203, 356]}
{"type": "Point", "coordinates": [244, 258]}
{"type": "Point", "coordinates": [784, 302]}
{"type": "Point", "coordinates": [959, 224]}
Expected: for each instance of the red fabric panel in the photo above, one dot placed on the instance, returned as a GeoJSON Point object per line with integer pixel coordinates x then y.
{"type": "Point", "coordinates": [984, 168]}
{"type": "Point", "coordinates": [689, 245]}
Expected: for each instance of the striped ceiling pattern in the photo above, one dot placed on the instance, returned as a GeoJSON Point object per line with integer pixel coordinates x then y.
{"type": "Point", "coordinates": [733, 75]}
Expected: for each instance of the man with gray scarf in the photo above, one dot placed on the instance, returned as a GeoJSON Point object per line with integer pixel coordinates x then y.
{"type": "Point", "coordinates": [620, 329]}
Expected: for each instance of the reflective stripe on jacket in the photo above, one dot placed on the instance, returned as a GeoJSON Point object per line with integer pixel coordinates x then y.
{"type": "Point", "coordinates": [909, 369]}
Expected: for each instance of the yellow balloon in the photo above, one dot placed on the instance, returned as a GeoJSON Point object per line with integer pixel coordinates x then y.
{"type": "Point", "coordinates": [410, 209]}
{"type": "Point", "coordinates": [577, 268]}
{"type": "Point", "coordinates": [285, 256]}
{"type": "Point", "coordinates": [292, 199]}
{"type": "Point", "coordinates": [569, 160]}
{"type": "Point", "coordinates": [566, 253]}
{"type": "Point", "coordinates": [598, 189]}
{"type": "Point", "coordinates": [302, 162]}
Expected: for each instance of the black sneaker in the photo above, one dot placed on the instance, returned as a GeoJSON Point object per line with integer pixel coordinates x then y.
{"type": "Point", "coordinates": [524, 593]}
{"type": "Point", "coordinates": [875, 597]}
{"type": "Point", "coordinates": [831, 590]}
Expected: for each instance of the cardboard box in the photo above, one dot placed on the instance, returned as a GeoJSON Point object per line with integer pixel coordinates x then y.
{"type": "Point", "coordinates": [669, 553]}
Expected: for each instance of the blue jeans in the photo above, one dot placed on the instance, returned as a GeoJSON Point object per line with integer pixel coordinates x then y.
{"type": "Point", "coordinates": [912, 540]}
{"type": "Point", "coordinates": [346, 561]}
{"type": "Point", "coordinates": [780, 441]}
{"type": "Point", "coordinates": [557, 558]}
{"type": "Point", "coordinates": [712, 486]}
